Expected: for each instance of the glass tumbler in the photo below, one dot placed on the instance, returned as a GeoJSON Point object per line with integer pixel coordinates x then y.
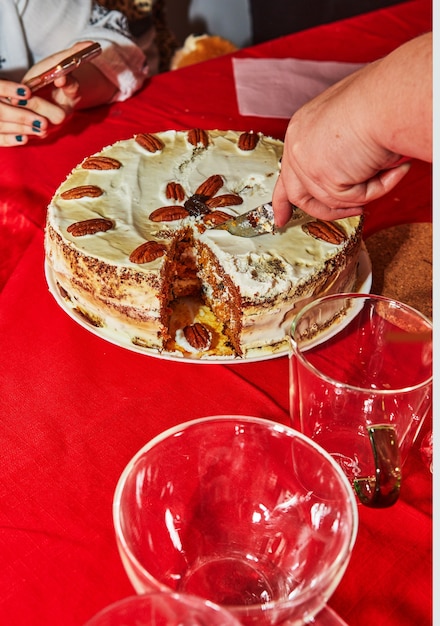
{"type": "Point", "coordinates": [361, 385]}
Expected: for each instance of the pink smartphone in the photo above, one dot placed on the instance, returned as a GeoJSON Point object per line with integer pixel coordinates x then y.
{"type": "Point", "coordinates": [64, 67]}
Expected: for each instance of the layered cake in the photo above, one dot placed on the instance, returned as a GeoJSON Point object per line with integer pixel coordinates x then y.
{"type": "Point", "coordinates": [135, 246]}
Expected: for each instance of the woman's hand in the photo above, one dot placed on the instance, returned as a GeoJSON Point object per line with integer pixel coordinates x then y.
{"type": "Point", "coordinates": [332, 165]}
{"type": "Point", "coordinates": [24, 116]}
{"type": "Point", "coordinates": [17, 121]}
{"type": "Point", "coordinates": [344, 148]}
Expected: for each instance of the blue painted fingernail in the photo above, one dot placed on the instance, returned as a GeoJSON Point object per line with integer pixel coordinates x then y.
{"type": "Point", "coordinates": [21, 91]}
{"type": "Point", "coordinates": [22, 103]}
{"type": "Point", "coordinates": [19, 137]}
{"type": "Point", "coordinates": [36, 124]}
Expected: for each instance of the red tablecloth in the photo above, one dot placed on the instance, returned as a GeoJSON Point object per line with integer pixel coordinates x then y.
{"type": "Point", "coordinates": [74, 409]}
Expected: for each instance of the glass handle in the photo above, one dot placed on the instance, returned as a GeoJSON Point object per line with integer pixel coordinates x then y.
{"type": "Point", "coordinates": [382, 489]}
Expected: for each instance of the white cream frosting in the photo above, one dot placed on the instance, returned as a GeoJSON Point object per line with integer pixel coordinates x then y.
{"type": "Point", "coordinates": [135, 190]}
{"type": "Point", "coordinates": [268, 265]}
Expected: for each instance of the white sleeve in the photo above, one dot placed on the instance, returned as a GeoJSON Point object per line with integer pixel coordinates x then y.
{"type": "Point", "coordinates": [48, 26]}
{"type": "Point", "coordinates": [121, 61]}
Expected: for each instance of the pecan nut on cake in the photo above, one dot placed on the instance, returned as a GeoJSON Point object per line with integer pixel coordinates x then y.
{"type": "Point", "coordinates": [132, 246]}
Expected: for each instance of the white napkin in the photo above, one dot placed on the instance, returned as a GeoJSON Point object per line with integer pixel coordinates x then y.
{"type": "Point", "coordinates": [278, 87]}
